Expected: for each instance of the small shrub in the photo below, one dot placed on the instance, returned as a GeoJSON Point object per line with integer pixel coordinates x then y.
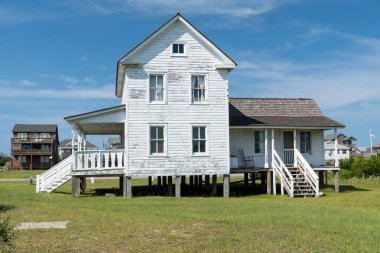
{"type": "Point", "coordinates": [360, 166]}
{"type": "Point", "coordinates": [6, 235]}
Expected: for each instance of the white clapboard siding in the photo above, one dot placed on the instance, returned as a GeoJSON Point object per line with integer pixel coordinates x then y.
{"type": "Point", "coordinates": [177, 113]}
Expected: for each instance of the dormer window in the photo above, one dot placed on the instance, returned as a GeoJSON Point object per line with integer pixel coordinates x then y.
{"type": "Point", "coordinates": [178, 49]}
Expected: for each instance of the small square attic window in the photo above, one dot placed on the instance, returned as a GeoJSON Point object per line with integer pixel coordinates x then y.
{"type": "Point", "coordinates": [178, 49]}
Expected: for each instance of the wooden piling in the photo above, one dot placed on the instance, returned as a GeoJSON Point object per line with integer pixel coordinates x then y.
{"type": "Point", "coordinates": [226, 186]}
{"type": "Point", "coordinates": [124, 187]}
{"type": "Point", "coordinates": [129, 187]}
{"type": "Point", "coordinates": [336, 176]}
{"type": "Point", "coordinates": [214, 185]}
{"type": "Point", "coordinates": [178, 186]}
{"type": "Point", "coordinates": [245, 179]}
{"type": "Point", "coordinates": [269, 182]}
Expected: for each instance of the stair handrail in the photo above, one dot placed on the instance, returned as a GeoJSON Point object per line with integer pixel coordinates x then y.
{"type": "Point", "coordinates": [284, 173]}
{"type": "Point", "coordinates": [49, 176]}
{"type": "Point", "coordinates": [310, 175]}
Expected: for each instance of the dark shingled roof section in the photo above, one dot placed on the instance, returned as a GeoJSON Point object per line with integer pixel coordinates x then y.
{"type": "Point", "coordinates": [35, 128]}
{"type": "Point", "coordinates": [297, 112]}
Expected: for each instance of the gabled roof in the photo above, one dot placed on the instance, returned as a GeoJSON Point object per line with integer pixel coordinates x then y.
{"type": "Point", "coordinates": [278, 112]}
{"type": "Point", "coordinates": [229, 63]}
{"type": "Point", "coordinates": [35, 128]}
{"type": "Point", "coordinates": [330, 145]}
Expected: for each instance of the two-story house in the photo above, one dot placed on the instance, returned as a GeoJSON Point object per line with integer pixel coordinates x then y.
{"type": "Point", "coordinates": [34, 146]}
{"type": "Point", "coordinates": [177, 121]}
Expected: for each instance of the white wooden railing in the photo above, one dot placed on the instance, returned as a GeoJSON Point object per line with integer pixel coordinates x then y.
{"type": "Point", "coordinates": [288, 156]}
{"type": "Point", "coordinates": [279, 169]}
{"type": "Point", "coordinates": [54, 177]}
{"type": "Point", "coordinates": [305, 168]}
{"type": "Point", "coordinates": [91, 160]}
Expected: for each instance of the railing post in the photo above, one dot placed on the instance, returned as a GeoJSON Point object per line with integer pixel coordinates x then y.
{"type": "Point", "coordinates": [274, 181]}
{"type": "Point", "coordinates": [38, 184]}
{"type": "Point", "coordinates": [100, 160]}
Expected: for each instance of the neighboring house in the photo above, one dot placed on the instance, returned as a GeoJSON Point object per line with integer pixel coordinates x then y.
{"type": "Point", "coordinates": [34, 146]}
{"type": "Point", "coordinates": [66, 147]}
{"type": "Point", "coordinates": [345, 140]}
{"type": "Point", "coordinates": [343, 152]}
{"type": "Point", "coordinates": [176, 120]}
{"type": "Point", "coordinates": [114, 143]}
{"type": "Point", "coordinates": [376, 148]}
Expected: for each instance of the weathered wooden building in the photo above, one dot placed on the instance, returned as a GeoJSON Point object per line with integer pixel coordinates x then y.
{"type": "Point", "coordinates": [177, 121]}
{"type": "Point", "coordinates": [34, 146]}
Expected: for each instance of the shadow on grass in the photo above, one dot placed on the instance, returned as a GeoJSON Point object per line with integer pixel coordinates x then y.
{"type": "Point", "coordinates": [5, 207]}
{"type": "Point", "coordinates": [343, 188]}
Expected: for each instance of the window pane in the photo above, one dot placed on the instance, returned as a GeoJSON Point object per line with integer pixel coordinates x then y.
{"type": "Point", "coordinates": [153, 134]}
{"type": "Point", "coordinates": [160, 134]}
{"type": "Point", "coordinates": [152, 95]}
{"type": "Point", "coordinates": [160, 146]}
{"type": "Point", "coordinates": [202, 95]}
{"type": "Point", "coordinates": [175, 48]}
{"type": "Point", "coordinates": [202, 133]}
{"type": "Point", "coordinates": [152, 81]}
{"type": "Point", "coordinates": [195, 133]}
{"type": "Point", "coordinates": [201, 82]}
{"type": "Point", "coordinates": [202, 146]}
{"type": "Point", "coordinates": [160, 81]}
{"type": "Point", "coordinates": [153, 147]}
{"type": "Point", "coordinates": [160, 95]}
{"type": "Point", "coordinates": [195, 147]}
{"type": "Point", "coordinates": [195, 82]}
{"type": "Point", "coordinates": [181, 48]}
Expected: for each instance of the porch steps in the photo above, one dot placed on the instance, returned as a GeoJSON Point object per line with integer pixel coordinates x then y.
{"type": "Point", "coordinates": [55, 177]}
{"type": "Point", "coordinates": [302, 189]}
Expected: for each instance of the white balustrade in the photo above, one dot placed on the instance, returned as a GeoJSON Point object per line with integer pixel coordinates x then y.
{"type": "Point", "coordinates": [91, 160]}
{"type": "Point", "coordinates": [310, 175]}
{"type": "Point", "coordinates": [288, 156]}
{"type": "Point", "coordinates": [286, 178]}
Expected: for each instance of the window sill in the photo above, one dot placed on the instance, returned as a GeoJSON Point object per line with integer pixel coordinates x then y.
{"type": "Point", "coordinates": [179, 55]}
{"type": "Point", "coordinates": [157, 103]}
{"type": "Point", "coordinates": [204, 103]}
{"type": "Point", "coordinates": [158, 156]}
{"type": "Point", "coordinates": [200, 155]}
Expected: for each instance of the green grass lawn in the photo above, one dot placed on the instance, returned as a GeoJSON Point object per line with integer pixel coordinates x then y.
{"type": "Point", "coordinates": [6, 174]}
{"type": "Point", "coordinates": [345, 222]}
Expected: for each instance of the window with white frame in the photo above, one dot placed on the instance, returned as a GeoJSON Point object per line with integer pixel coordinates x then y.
{"type": "Point", "coordinates": [33, 135]}
{"type": "Point", "coordinates": [44, 159]}
{"type": "Point", "coordinates": [45, 135]}
{"type": "Point", "coordinates": [199, 140]}
{"type": "Point", "coordinates": [156, 88]}
{"type": "Point", "coordinates": [157, 140]}
{"type": "Point", "coordinates": [198, 89]}
{"type": "Point", "coordinates": [259, 142]}
{"type": "Point", "coordinates": [344, 152]}
{"type": "Point", "coordinates": [178, 49]}
{"type": "Point", "coordinates": [305, 142]}
{"type": "Point", "coordinates": [22, 135]}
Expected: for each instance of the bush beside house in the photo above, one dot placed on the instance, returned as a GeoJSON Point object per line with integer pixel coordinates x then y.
{"type": "Point", "coordinates": [359, 166]}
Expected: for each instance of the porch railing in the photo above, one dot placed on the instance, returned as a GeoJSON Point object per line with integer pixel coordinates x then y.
{"type": "Point", "coordinates": [286, 178]}
{"type": "Point", "coordinates": [99, 160]}
{"type": "Point", "coordinates": [289, 156]}
{"type": "Point", "coordinates": [310, 175]}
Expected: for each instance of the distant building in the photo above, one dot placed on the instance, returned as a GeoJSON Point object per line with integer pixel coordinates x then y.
{"type": "Point", "coordinates": [65, 148]}
{"type": "Point", "coordinates": [376, 148]}
{"type": "Point", "coordinates": [345, 140]}
{"type": "Point", "coordinates": [34, 146]}
{"type": "Point", "coordinates": [343, 152]}
{"type": "Point", "coordinates": [114, 143]}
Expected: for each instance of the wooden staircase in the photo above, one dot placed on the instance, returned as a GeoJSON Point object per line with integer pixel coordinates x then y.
{"type": "Point", "coordinates": [55, 177]}
{"type": "Point", "coordinates": [302, 189]}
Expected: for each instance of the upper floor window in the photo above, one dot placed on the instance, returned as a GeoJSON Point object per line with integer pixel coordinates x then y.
{"type": "Point", "coordinates": [156, 88]}
{"type": "Point", "coordinates": [44, 159]}
{"type": "Point", "coordinates": [305, 142]}
{"type": "Point", "coordinates": [22, 135]}
{"type": "Point", "coordinates": [45, 135]}
{"type": "Point", "coordinates": [198, 89]}
{"type": "Point", "coordinates": [178, 49]}
{"type": "Point", "coordinates": [259, 141]}
{"type": "Point", "coordinates": [21, 159]}
{"type": "Point", "coordinates": [199, 140]}
{"type": "Point", "coordinates": [157, 140]}
{"type": "Point", "coordinates": [33, 135]}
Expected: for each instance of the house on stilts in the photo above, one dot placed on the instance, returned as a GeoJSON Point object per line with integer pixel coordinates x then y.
{"type": "Point", "coordinates": [176, 121]}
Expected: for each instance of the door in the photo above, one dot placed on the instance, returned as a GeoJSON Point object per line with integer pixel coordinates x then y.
{"type": "Point", "coordinates": [288, 147]}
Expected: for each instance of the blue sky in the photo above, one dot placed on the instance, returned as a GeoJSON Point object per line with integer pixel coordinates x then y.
{"type": "Point", "coordinates": [58, 57]}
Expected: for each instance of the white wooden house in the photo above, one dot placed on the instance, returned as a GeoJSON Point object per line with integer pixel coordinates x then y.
{"type": "Point", "coordinates": [176, 120]}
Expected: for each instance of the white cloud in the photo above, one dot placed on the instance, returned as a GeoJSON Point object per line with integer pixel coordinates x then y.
{"type": "Point", "coordinates": [104, 92]}
{"type": "Point", "coordinates": [26, 83]}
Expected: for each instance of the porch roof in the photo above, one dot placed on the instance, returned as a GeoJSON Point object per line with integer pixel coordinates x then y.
{"type": "Point", "coordinates": [278, 112]}
{"type": "Point", "coordinates": [107, 121]}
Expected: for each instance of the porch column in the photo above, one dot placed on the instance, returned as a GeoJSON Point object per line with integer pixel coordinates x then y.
{"type": "Point", "coordinates": [336, 147]}
{"type": "Point", "coordinates": [272, 147]}
{"type": "Point", "coordinates": [84, 142]}
{"type": "Point", "coordinates": [72, 140]}
{"type": "Point", "coordinates": [295, 147]}
{"type": "Point", "coordinates": [266, 164]}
